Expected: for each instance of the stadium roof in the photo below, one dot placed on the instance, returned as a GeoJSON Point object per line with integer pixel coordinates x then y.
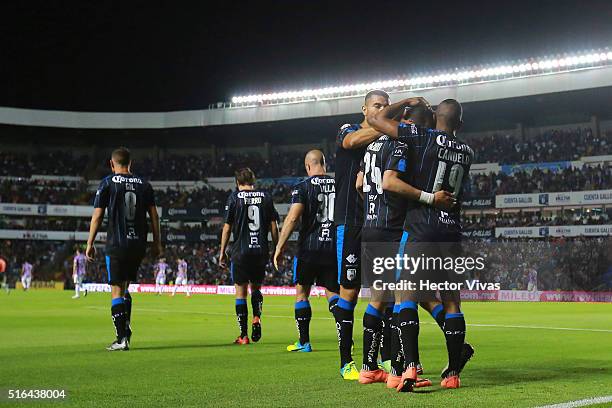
{"type": "Point", "coordinates": [528, 78]}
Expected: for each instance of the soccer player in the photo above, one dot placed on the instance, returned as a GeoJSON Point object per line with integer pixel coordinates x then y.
{"type": "Point", "coordinates": [438, 161]}
{"type": "Point", "coordinates": [312, 200]}
{"type": "Point", "coordinates": [160, 275]}
{"type": "Point", "coordinates": [79, 268]}
{"type": "Point", "coordinates": [384, 214]}
{"type": "Point", "coordinates": [181, 276]}
{"type": "Point", "coordinates": [249, 215]}
{"type": "Point", "coordinates": [127, 199]}
{"type": "Point", "coordinates": [26, 275]}
{"type": "Point", "coordinates": [351, 142]}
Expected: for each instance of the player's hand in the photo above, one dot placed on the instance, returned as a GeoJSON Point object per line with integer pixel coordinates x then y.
{"type": "Point", "coordinates": [277, 259]}
{"type": "Point", "coordinates": [222, 260]}
{"type": "Point", "coordinates": [443, 200]}
{"type": "Point", "coordinates": [90, 252]}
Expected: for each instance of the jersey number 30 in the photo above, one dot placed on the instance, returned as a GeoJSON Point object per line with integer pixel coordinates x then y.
{"type": "Point", "coordinates": [326, 207]}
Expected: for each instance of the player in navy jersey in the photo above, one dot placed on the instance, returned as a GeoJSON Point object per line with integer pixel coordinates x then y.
{"type": "Point", "coordinates": [437, 161]}
{"type": "Point", "coordinates": [384, 214]}
{"type": "Point", "coordinates": [127, 199]}
{"type": "Point", "coordinates": [348, 217]}
{"type": "Point", "coordinates": [249, 215]}
{"type": "Point", "coordinates": [351, 142]}
{"type": "Point", "coordinates": [312, 201]}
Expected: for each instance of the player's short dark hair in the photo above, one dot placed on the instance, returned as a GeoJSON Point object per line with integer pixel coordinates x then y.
{"type": "Point", "coordinates": [378, 92]}
{"type": "Point", "coordinates": [451, 110]}
{"type": "Point", "coordinates": [121, 156]}
{"type": "Point", "coordinates": [245, 176]}
{"type": "Point", "coordinates": [421, 115]}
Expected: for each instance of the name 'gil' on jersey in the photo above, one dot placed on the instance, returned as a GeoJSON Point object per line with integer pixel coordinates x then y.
{"type": "Point", "coordinates": [317, 236]}
{"type": "Point", "coordinates": [436, 161]}
{"type": "Point", "coordinates": [349, 205]}
{"type": "Point", "coordinates": [382, 209]}
{"type": "Point", "coordinates": [250, 213]}
{"type": "Point", "coordinates": [126, 198]}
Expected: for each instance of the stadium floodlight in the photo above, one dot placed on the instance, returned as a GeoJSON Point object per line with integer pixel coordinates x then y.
{"type": "Point", "coordinates": [496, 72]}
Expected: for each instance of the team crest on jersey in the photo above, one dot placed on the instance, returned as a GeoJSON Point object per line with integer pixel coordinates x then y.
{"type": "Point", "coordinates": [351, 274]}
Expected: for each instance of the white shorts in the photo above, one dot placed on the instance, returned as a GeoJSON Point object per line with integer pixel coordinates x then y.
{"type": "Point", "coordinates": [26, 281]}
{"type": "Point", "coordinates": [180, 281]}
{"type": "Point", "coordinates": [532, 287]}
{"type": "Point", "coordinates": [78, 279]}
{"type": "Point", "coordinates": [160, 280]}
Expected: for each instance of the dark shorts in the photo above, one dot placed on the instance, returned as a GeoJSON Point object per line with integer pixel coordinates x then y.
{"type": "Point", "coordinates": [421, 240]}
{"type": "Point", "coordinates": [375, 237]}
{"type": "Point", "coordinates": [123, 267]}
{"type": "Point", "coordinates": [308, 273]}
{"type": "Point", "coordinates": [348, 254]}
{"type": "Point", "coordinates": [248, 269]}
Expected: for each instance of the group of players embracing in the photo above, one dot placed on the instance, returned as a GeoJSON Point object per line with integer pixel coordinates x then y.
{"type": "Point", "coordinates": [398, 180]}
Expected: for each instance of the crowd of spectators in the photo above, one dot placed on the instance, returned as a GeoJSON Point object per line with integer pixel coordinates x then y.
{"type": "Point", "coordinates": [535, 219]}
{"type": "Point", "coordinates": [59, 163]}
{"type": "Point", "coordinates": [549, 146]}
{"type": "Point", "coordinates": [203, 267]}
{"type": "Point", "coordinates": [579, 263]}
{"type": "Point", "coordinates": [537, 181]}
{"type": "Point", "coordinates": [22, 190]}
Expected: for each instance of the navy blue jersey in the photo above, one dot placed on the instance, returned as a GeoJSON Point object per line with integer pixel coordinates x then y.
{"type": "Point", "coordinates": [317, 241]}
{"type": "Point", "coordinates": [126, 198]}
{"type": "Point", "coordinates": [349, 205]}
{"type": "Point", "coordinates": [250, 213]}
{"type": "Point", "coordinates": [436, 161]}
{"type": "Point", "coordinates": [383, 209]}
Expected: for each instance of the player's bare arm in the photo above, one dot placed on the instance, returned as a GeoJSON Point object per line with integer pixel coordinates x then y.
{"type": "Point", "coordinates": [386, 121]}
{"type": "Point", "coordinates": [291, 220]}
{"type": "Point", "coordinates": [442, 200]}
{"type": "Point", "coordinates": [225, 236]}
{"type": "Point", "coordinates": [360, 138]}
{"type": "Point", "coordinates": [157, 249]}
{"type": "Point", "coordinates": [96, 222]}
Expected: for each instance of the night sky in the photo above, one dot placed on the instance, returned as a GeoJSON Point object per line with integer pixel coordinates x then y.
{"type": "Point", "coordinates": [115, 56]}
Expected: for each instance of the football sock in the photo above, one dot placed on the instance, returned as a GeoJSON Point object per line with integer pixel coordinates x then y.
{"type": "Point", "coordinates": [397, 358]}
{"type": "Point", "coordinates": [242, 314]}
{"type": "Point", "coordinates": [345, 316]}
{"type": "Point", "coordinates": [454, 331]}
{"type": "Point", "coordinates": [119, 317]}
{"type": "Point", "coordinates": [385, 343]}
{"type": "Point", "coordinates": [332, 302]}
{"type": "Point", "coordinates": [439, 316]}
{"type": "Point", "coordinates": [409, 333]}
{"type": "Point", "coordinates": [303, 314]}
{"type": "Point", "coordinates": [128, 311]}
{"type": "Point", "coordinates": [257, 302]}
{"type": "Point", "coordinates": [372, 331]}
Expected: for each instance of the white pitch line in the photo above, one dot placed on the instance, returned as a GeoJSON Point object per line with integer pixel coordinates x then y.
{"type": "Point", "coordinates": [580, 403]}
{"type": "Point", "coordinates": [330, 318]}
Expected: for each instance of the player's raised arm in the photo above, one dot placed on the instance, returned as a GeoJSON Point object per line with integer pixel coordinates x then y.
{"type": "Point", "coordinates": [360, 138]}
{"type": "Point", "coordinates": [386, 121]}
{"type": "Point", "coordinates": [295, 213]}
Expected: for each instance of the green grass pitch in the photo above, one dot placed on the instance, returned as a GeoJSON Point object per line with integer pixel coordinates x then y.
{"type": "Point", "coordinates": [182, 354]}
